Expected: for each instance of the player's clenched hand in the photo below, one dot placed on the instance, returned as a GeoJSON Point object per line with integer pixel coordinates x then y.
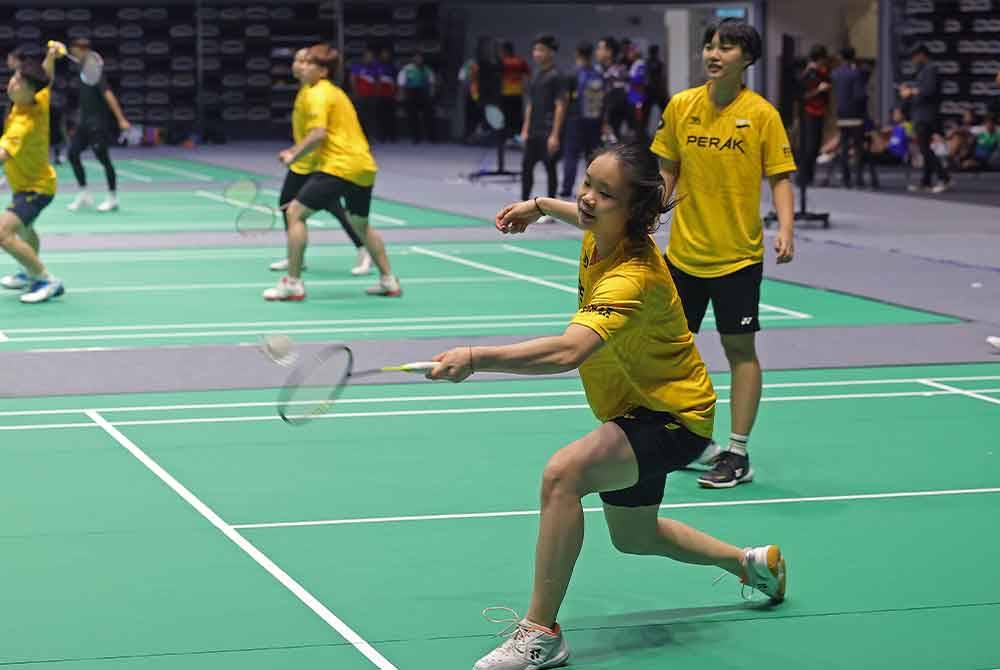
{"type": "Point", "coordinates": [454, 365]}
{"type": "Point", "coordinates": [287, 157]}
{"type": "Point", "coordinates": [517, 217]}
{"type": "Point", "coordinates": [784, 246]}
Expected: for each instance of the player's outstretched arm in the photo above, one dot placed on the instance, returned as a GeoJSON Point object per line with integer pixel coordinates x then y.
{"type": "Point", "coordinates": [540, 356]}
{"type": "Point", "coordinates": [516, 217]}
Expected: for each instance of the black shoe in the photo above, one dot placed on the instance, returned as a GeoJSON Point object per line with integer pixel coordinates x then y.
{"type": "Point", "coordinates": [730, 469]}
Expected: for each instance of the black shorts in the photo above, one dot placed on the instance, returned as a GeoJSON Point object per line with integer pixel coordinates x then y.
{"type": "Point", "coordinates": [735, 299]}
{"type": "Point", "coordinates": [662, 445]}
{"type": "Point", "coordinates": [27, 205]}
{"type": "Point", "coordinates": [325, 191]}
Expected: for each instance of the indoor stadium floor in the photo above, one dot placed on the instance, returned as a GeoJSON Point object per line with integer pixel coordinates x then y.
{"type": "Point", "coordinates": [152, 493]}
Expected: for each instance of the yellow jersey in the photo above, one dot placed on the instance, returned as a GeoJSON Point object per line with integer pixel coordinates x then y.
{"type": "Point", "coordinates": [26, 141]}
{"type": "Point", "coordinates": [344, 152]}
{"type": "Point", "coordinates": [723, 156]}
{"type": "Point", "coordinates": [300, 119]}
{"type": "Point", "coordinates": [649, 358]}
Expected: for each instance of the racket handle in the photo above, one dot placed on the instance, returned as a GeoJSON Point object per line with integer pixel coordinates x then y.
{"type": "Point", "coordinates": [417, 366]}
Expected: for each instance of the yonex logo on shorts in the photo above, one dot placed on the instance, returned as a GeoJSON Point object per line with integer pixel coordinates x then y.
{"type": "Point", "coordinates": [746, 320]}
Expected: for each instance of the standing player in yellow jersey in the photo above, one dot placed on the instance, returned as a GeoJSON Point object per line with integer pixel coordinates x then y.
{"type": "Point", "coordinates": [344, 170]}
{"type": "Point", "coordinates": [645, 383]}
{"type": "Point", "coordinates": [24, 151]}
{"type": "Point", "coordinates": [299, 171]}
{"type": "Point", "coordinates": [715, 143]}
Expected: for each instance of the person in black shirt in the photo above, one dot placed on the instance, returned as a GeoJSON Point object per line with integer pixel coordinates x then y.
{"type": "Point", "coordinates": [92, 130]}
{"type": "Point", "coordinates": [544, 117]}
{"type": "Point", "coordinates": [924, 98]}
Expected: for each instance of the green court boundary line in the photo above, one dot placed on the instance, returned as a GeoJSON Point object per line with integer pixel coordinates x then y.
{"type": "Point", "coordinates": [882, 301]}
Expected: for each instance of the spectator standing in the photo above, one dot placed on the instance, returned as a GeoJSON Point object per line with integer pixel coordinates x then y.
{"type": "Point", "coordinates": [364, 86]}
{"type": "Point", "coordinates": [849, 94]}
{"type": "Point", "coordinates": [815, 82]}
{"type": "Point", "coordinates": [544, 117]}
{"type": "Point", "coordinates": [515, 71]}
{"type": "Point", "coordinates": [924, 97]}
{"type": "Point", "coordinates": [416, 86]}
{"type": "Point", "coordinates": [385, 96]}
{"type": "Point", "coordinates": [584, 115]}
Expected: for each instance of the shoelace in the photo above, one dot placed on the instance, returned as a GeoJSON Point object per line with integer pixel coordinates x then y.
{"type": "Point", "coordinates": [513, 629]}
{"type": "Point", "coordinates": [746, 588]}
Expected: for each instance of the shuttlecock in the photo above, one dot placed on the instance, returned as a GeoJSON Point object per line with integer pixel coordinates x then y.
{"type": "Point", "coordinates": [278, 348]}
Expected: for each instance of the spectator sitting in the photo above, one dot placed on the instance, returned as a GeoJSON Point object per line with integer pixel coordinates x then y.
{"type": "Point", "coordinates": [985, 154]}
{"type": "Point", "coordinates": [961, 139]}
{"type": "Point", "coordinates": [893, 144]}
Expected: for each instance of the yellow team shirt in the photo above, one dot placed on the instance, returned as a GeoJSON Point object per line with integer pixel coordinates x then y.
{"type": "Point", "coordinates": [300, 118]}
{"type": "Point", "coordinates": [26, 141]}
{"type": "Point", "coordinates": [649, 358]}
{"type": "Point", "coordinates": [344, 152]}
{"type": "Point", "coordinates": [723, 156]}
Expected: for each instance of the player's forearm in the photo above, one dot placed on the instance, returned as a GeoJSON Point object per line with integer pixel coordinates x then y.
{"type": "Point", "coordinates": [541, 356]}
{"type": "Point", "coordinates": [309, 143]}
{"type": "Point", "coordinates": [527, 120]}
{"type": "Point", "coordinates": [560, 209]}
{"type": "Point", "coordinates": [783, 196]}
{"type": "Point", "coordinates": [49, 64]}
{"type": "Point", "coordinates": [115, 108]}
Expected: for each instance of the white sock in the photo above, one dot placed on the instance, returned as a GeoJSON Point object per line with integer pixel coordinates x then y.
{"type": "Point", "coordinates": [738, 443]}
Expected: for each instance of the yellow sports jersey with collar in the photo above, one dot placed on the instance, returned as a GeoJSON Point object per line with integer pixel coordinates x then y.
{"type": "Point", "coordinates": [26, 141]}
{"type": "Point", "coordinates": [649, 358]}
{"type": "Point", "coordinates": [723, 156]}
{"type": "Point", "coordinates": [300, 119]}
{"type": "Point", "coordinates": [344, 152]}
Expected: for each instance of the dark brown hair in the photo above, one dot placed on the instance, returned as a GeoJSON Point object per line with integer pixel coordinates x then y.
{"type": "Point", "coordinates": [33, 73]}
{"type": "Point", "coordinates": [647, 201]}
{"type": "Point", "coordinates": [325, 56]}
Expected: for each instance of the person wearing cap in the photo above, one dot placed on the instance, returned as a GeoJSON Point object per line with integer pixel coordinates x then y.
{"type": "Point", "coordinates": [924, 96]}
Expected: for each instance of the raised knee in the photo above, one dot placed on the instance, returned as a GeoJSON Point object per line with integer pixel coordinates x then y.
{"type": "Point", "coordinates": [559, 477]}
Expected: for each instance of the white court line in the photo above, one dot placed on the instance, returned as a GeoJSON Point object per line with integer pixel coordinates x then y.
{"type": "Point", "coordinates": [156, 167]}
{"type": "Point", "coordinates": [391, 220]}
{"type": "Point", "coordinates": [340, 401]}
{"type": "Point", "coordinates": [195, 255]}
{"type": "Point", "coordinates": [250, 285]}
{"type": "Point", "coordinates": [94, 165]}
{"type": "Point", "coordinates": [218, 198]}
{"type": "Point", "coordinates": [569, 261]}
{"type": "Point", "coordinates": [788, 312]}
{"type": "Point", "coordinates": [276, 324]}
{"type": "Point", "coordinates": [721, 503]}
{"type": "Point", "coordinates": [952, 389]}
{"type": "Point", "coordinates": [499, 396]}
{"type": "Point", "coordinates": [253, 552]}
{"type": "Point", "coordinates": [493, 269]}
{"type": "Point", "coordinates": [542, 254]}
{"type": "Point", "coordinates": [469, 410]}
{"type": "Point", "coordinates": [296, 331]}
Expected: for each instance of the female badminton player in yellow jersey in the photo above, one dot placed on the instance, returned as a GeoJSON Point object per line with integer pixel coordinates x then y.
{"type": "Point", "coordinates": [645, 382]}
{"type": "Point", "coordinates": [343, 172]}
{"type": "Point", "coordinates": [716, 143]}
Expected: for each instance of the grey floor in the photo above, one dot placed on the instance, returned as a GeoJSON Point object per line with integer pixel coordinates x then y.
{"type": "Point", "coordinates": [940, 254]}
